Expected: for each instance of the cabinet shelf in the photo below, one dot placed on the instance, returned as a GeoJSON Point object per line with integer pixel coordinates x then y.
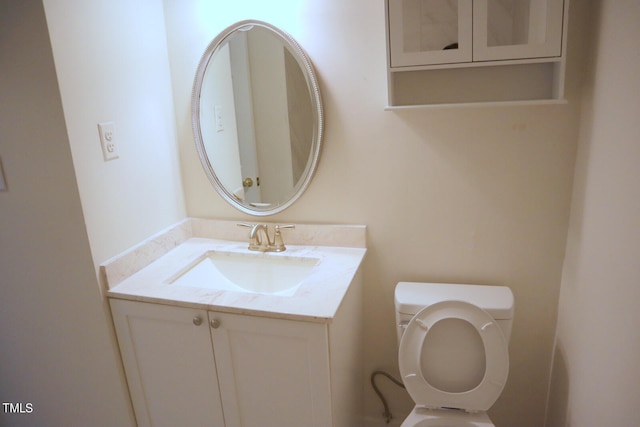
{"type": "Point", "coordinates": [538, 81]}
{"type": "Point", "coordinates": [537, 102]}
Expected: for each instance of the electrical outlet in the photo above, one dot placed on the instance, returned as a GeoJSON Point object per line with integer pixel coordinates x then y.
{"type": "Point", "coordinates": [108, 141]}
{"type": "Point", "coordinates": [218, 115]}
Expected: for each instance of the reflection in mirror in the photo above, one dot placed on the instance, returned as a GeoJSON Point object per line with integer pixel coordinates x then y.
{"type": "Point", "coordinates": [435, 22]}
{"type": "Point", "coordinates": [257, 117]}
{"type": "Point", "coordinates": [516, 22]}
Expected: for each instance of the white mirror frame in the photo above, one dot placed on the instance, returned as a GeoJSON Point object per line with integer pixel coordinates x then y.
{"type": "Point", "coordinates": [318, 118]}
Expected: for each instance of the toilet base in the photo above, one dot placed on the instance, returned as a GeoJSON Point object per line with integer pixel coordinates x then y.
{"type": "Point", "coordinates": [421, 417]}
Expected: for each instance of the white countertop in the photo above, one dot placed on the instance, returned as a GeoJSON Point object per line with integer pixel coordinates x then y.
{"type": "Point", "coordinates": [135, 275]}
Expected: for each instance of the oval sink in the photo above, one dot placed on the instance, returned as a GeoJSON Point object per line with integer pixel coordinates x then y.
{"type": "Point", "coordinates": [258, 273]}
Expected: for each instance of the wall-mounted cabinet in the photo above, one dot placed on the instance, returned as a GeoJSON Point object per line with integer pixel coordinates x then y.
{"type": "Point", "coordinates": [475, 51]}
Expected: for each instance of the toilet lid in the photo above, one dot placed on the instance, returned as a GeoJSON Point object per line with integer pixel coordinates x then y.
{"type": "Point", "coordinates": [480, 397]}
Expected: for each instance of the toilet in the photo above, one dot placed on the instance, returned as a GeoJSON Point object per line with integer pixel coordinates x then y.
{"type": "Point", "coordinates": [453, 350]}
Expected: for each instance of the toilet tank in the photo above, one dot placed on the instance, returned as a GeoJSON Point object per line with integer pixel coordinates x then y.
{"type": "Point", "coordinates": [411, 297]}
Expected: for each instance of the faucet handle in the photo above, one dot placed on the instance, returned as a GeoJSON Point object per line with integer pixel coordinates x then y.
{"type": "Point", "coordinates": [244, 224]}
{"type": "Point", "coordinates": [279, 226]}
{"type": "Point", "coordinates": [278, 243]}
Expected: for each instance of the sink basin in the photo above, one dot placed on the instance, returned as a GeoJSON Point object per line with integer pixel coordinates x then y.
{"type": "Point", "coordinates": [261, 273]}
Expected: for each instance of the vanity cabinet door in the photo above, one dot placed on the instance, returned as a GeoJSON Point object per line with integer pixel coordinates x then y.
{"type": "Point", "coordinates": [272, 372]}
{"type": "Point", "coordinates": [425, 32]}
{"type": "Point", "coordinates": [169, 364]}
{"type": "Point", "coordinates": [517, 29]}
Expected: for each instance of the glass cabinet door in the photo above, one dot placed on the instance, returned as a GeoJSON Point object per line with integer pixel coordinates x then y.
{"type": "Point", "coordinates": [517, 29]}
{"type": "Point", "coordinates": [425, 32]}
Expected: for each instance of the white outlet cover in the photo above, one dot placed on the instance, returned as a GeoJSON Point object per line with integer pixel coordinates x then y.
{"type": "Point", "coordinates": [108, 141]}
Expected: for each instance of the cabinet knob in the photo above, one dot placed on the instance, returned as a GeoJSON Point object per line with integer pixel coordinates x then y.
{"type": "Point", "coordinates": [215, 323]}
{"type": "Point", "coordinates": [197, 320]}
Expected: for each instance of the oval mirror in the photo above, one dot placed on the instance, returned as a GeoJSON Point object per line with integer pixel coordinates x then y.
{"type": "Point", "coordinates": [257, 117]}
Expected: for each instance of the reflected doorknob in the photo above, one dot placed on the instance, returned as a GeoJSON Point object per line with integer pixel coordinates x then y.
{"type": "Point", "coordinates": [247, 182]}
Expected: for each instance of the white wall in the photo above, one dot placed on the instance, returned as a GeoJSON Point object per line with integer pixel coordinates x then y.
{"type": "Point", "coordinates": [111, 60]}
{"type": "Point", "coordinates": [596, 378]}
{"type": "Point", "coordinates": [56, 351]}
{"type": "Point", "coordinates": [67, 210]}
{"type": "Point", "coordinates": [477, 195]}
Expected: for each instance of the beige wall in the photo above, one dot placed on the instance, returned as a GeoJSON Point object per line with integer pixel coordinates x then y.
{"type": "Point", "coordinates": [56, 351]}
{"type": "Point", "coordinates": [477, 195]}
{"type": "Point", "coordinates": [111, 60]}
{"type": "Point", "coordinates": [596, 372]}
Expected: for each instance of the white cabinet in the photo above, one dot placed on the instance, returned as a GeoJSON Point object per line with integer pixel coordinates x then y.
{"type": "Point", "coordinates": [459, 51]}
{"type": "Point", "coordinates": [191, 367]}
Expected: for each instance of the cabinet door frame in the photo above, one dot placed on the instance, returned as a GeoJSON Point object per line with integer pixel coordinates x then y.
{"type": "Point", "coordinates": [241, 363]}
{"type": "Point", "coordinates": [401, 58]}
{"type": "Point", "coordinates": [173, 350]}
{"type": "Point", "coordinates": [551, 47]}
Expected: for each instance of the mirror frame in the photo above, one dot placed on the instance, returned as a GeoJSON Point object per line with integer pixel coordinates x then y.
{"type": "Point", "coordinates": [317, 112]}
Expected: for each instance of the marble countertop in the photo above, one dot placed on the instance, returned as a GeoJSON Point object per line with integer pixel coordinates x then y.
{"type": "Point", "coordinates": [144, 272]}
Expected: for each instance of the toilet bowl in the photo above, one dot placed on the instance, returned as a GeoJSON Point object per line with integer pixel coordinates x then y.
{"type": "Point", "coordinates": [453, 350]}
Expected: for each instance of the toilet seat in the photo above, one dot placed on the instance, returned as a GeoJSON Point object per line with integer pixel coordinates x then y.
{"type": "Point", "coordinates": [481, 397]}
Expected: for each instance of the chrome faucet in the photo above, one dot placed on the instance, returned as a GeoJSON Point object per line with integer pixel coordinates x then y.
{"type": "Point", "coordinates": [259, 239]}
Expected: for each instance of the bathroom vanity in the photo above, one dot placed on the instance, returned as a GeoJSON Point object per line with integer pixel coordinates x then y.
{"type": "Point", "coordinates": [202, 353]}
{"type": "Point", "coordinates": [220, 326]}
